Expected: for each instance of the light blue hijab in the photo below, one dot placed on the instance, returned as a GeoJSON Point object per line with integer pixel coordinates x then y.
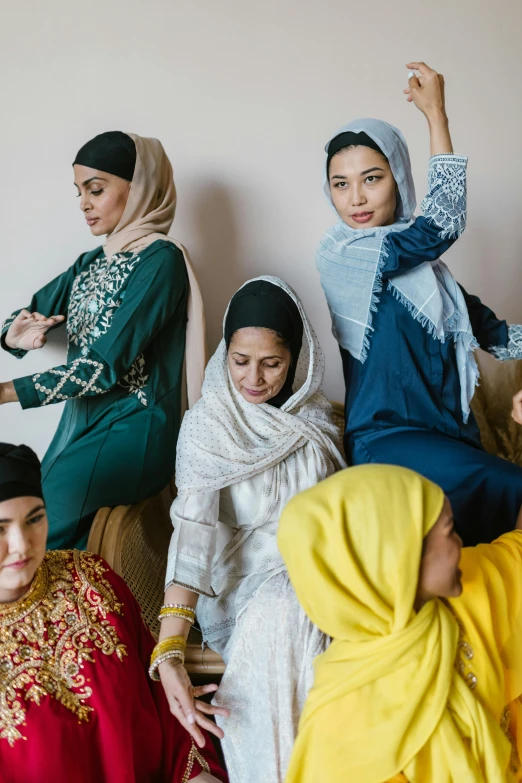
{"type": "Point", "coordinates": [350, 262]}
{"type": "Point", "coordinates": [393, 144]}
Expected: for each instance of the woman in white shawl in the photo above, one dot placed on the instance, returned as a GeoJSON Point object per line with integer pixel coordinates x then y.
{"type": "Point", "coordinates": [261, 433]}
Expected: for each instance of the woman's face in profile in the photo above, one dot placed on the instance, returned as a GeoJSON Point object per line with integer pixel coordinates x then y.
{"type": "Point", "coordinates": [258, 363]}
{"type": "Point", "coordinates": [103, 198]}
{"type": "Point", "coordinates": [440, 575]}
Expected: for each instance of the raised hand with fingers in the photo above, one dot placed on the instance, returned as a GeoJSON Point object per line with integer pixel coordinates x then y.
{"type": "Point", "coordinates": [426, 91]}
{"type": "Point", "coordinates": [28, 330]}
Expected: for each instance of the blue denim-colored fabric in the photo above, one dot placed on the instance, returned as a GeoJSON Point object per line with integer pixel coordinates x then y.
{"type": "Point", "coordinates": [410, 379]}
{"type": "Point", "coordinates": [485, 491]}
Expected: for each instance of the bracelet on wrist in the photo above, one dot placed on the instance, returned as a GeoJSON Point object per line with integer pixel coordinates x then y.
{"type": "Point", "coordinates": [182, 613]}
{"type": "Point", "coordinates": [175, 656]}
{"type": "Point", "coordinates": [170, 643]}
{"type": "Point", "coordinates": [173, 647]}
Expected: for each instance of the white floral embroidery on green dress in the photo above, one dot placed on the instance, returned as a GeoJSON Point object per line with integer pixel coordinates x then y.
{"type": "Point", "coordinates": [135, 380]}
{"type": "Point", "coordinates": [96, 295]}
{"type": "Point", "coordinates": [69, 375]}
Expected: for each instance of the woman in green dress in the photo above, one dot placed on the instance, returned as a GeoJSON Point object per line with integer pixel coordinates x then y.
{"type": "Point", "coordinates": [130, 307]}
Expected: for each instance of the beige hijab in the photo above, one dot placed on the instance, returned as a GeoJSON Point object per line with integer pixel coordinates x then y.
{"type": "Point", "coordinates": [148, 217]}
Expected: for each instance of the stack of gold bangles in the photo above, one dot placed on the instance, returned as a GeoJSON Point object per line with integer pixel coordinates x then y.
{"type": "Point", "coordinates": [171, 648]}
{"type": "Point", "coordinates": [177, 610]}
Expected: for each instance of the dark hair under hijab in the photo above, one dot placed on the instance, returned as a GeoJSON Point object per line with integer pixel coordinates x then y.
{"type": "Point", "coordinates": [349, 139]}
{"type": "Point", "coordinates": [19, 472]}
{"type": "Point", "coordinates": [263, 304]}
{"type": "Point", "coordinates": [113, 152]}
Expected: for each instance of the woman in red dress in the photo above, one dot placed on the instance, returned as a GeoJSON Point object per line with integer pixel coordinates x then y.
{"type": "Point", "coordinates": [76, 703]}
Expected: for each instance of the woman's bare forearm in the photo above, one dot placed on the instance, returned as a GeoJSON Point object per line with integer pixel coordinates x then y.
{"type": "Point", "coordinates": [8, 392]}
{"type": "Point", "coordinates": [440, 137]}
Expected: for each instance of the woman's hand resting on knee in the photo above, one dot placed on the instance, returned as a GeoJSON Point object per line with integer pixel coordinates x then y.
{"type": "Point", "coordinates": [187, 707]}
{"type": "Point", "coordinates": [205, 777]}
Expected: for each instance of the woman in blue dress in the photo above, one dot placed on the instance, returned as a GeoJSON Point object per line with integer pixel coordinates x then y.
{"type": "Point", "coordinates": [406, 329]}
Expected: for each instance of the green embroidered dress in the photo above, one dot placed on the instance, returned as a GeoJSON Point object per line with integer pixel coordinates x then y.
{"type": "Point", "coordinates": [116, 441]}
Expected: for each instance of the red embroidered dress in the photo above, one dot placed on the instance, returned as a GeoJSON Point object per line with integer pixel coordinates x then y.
{"type": "Point", "coordinates": [76, 703]}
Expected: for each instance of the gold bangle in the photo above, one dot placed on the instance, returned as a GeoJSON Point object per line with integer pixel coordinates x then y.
{"type": "Point", "coordinates": [178, 616]}
{"type": "Point", "coordinates": [176, 655]}
{"type": "Point", "coordinates": [171, 640]}
{"type": "Point", "coordinates": [179, 606]}
{"type": "Point", "coordinates": [181, 614]}
{"type": "Point", "coordinates": [170, 644]}
{"type": "Point", "coordinates": [167, 646]}
{"type": "Point", "coordinates": [181, 609]}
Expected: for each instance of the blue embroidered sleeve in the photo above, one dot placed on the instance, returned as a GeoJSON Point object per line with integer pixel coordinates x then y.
{"type": "Point", "coordinates": [487, 328]}
{"type": "Point", "coordinates": [444, 219]}
{"type": "Point", "coordinates": [502, 340]}
{"type": "Point", "coordinates": [513, 348]}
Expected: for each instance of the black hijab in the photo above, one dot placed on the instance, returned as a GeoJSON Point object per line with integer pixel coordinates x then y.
{"type": "Point", "coordinates": [347, 139]}
{"type": "Point", "coordinates": [263, 304]}
{"type": "Point", "coordinates": [113, 152]}
{"type": "Point", "coordinates": [19, 472]}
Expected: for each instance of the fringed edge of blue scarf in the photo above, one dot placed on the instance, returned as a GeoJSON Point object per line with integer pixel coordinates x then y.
{"type": "Point", "coordinates": [374, 300]}
{"type": "Point", "coordinates": [474, 344]}
{"type": "Point", "coordinates": [426, 322]}
{"type": "Point", "coordinates": [417, 314]}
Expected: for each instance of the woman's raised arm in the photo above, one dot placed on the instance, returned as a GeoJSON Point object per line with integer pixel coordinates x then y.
{"type": "Point", "coordinates": [426, 91]}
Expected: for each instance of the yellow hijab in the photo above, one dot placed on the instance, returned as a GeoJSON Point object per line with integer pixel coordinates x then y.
{"type": "Point", "coordinates": [386, 698]}
{"type": "Point", "coordinates": [147, 217]}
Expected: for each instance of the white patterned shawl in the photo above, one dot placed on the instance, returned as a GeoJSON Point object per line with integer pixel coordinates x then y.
{"type": "Point", "coordinates": [224, 439]}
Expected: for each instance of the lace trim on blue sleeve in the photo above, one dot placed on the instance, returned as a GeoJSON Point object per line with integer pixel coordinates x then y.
{"type": "Point", "coordinates": [445, 203]}
{"type": "Point", "coordinates": [513, 350]}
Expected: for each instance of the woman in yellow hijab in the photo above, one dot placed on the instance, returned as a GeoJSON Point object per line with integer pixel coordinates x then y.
{"type": "Point", "coordinates": [417, 681]}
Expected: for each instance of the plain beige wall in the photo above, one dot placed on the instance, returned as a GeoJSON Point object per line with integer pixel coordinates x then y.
{"type": "Point", "coordinates": [243, 95]}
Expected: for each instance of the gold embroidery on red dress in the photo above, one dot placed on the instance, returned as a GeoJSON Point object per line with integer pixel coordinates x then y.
{"type": "Point", "coordinates": [47, 636]}
{"type": "Point", "coordinates": [193, 756]}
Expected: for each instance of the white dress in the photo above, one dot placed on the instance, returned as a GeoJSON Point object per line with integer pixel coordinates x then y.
{"type": "Point", "coordinates": [237, 466]}
{"type": "Point", "coordinates": [254, 619]}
